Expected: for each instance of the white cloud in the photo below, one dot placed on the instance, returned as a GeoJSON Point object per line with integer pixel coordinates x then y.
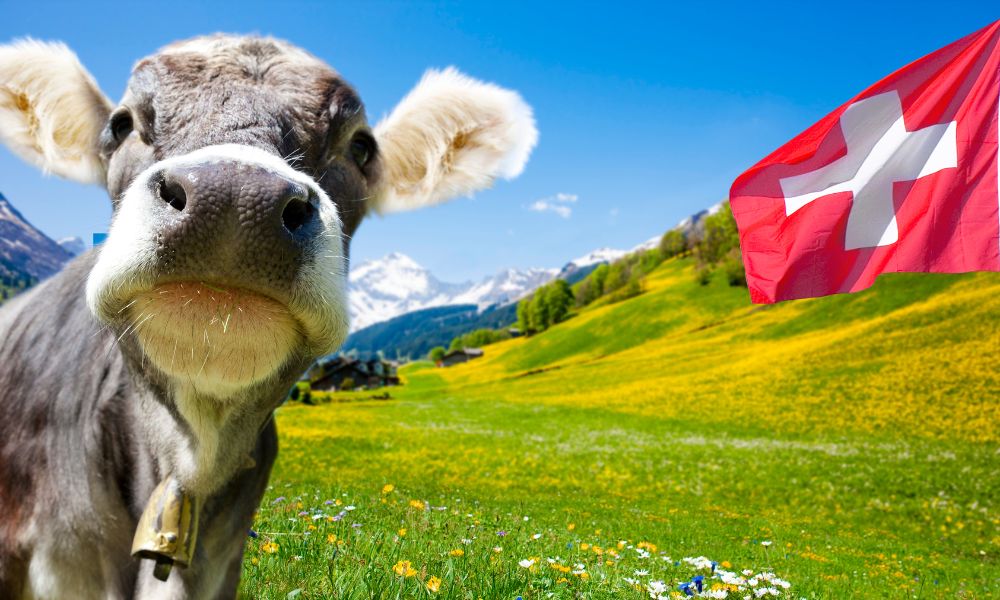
{"type": "Point", "coordinates": [558, 204]}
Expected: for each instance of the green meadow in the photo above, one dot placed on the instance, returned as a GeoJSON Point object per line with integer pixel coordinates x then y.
{"type": "Point", "coordinates": [845, 447]}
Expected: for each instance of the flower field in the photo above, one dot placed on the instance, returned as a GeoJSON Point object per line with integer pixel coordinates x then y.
{"type": "Point", "coordinates": [678, 444]}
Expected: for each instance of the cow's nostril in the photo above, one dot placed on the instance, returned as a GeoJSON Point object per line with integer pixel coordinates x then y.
{"type": "Point", "coordinates": [296, 214]}
{"type": "Point", "coordinates": [173, 194]}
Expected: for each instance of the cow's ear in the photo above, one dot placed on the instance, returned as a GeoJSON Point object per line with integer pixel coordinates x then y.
{"type": "Point", "coordinates": [51, 110]}
{"type": "Point", "coordinates": [451, 136]}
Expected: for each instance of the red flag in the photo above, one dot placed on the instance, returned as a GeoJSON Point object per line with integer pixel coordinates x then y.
{"type": "Point", "coordinates": [903, 178]}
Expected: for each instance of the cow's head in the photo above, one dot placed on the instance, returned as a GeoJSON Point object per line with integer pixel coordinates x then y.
{"type": "Point", "coordinates": [239, 168]}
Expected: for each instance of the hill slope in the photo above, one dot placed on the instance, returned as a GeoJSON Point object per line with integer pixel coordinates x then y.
{"type": "Point", "coordinates": [848, 443]}
{"type": "Point", "coordinates": [917, 355]}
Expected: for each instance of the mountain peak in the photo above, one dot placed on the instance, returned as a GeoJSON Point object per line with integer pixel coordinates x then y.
{"type": "Point", "coordinates": [395, 284]}
{"type": "Point", "coordinates": [74, 245]}
{"type": "Point", "coordinates": [25, 249]}
{"type": "Point", "coordinates": [598, 256]}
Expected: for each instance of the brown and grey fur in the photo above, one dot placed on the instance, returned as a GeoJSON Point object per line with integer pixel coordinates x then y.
{"type": "Point", "coordinates": [76, 468]}
{"type": "Point", "coordinates": [89, 421]}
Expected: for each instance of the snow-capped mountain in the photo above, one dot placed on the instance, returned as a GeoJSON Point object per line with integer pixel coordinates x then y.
{"type": "Point", "coordinates": [505, 287]}
{"type": "Point", "coordinates": [393, 285]}
{"type": "Point", "coordinates": [25, 250]}
{"type": "Point", "coordinates": [601, 255]}
{"type": "Point", "coordinates": [695, 224]}
{"type": "Point", "coordinates": [649, 244]}
{"type": "Point", "coordinates": [73, 245]}
{"type": "Point", "coordinates": [396, 284]}
{"type": "Point", "coordinates": [579, 267]}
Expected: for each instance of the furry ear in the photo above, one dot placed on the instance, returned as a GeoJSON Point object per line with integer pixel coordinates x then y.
{"type": "Point", "coordinates": [51, 110]}
{"type": "Point", "coordinates": [451, 135]}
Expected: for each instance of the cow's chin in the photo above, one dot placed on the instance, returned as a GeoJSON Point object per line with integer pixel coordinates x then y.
{"type": "Point", "coordinates": [216, 340]}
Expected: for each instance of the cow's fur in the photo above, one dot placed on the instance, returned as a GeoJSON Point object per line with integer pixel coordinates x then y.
{"type": "Point", "coordinates": [96, 406]}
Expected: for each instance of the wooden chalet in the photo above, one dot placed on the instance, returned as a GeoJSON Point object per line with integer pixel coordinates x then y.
{"type": "Point", "coordinates": [330, 374]}
{"type": "Point", "coordinates": [462, 355]}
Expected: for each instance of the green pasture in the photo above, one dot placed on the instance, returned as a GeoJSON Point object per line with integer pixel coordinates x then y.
{"type": "Point", "coordinates": [848, 445]}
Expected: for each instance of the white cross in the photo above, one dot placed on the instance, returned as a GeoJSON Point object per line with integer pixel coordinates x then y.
{"type": "Point", "coordinates": [880, 151]}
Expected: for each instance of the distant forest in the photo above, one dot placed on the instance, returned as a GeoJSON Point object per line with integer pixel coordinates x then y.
{"type": "Point", "coordinates": [13, 281]}
{"type": "Point", "coordinates": [413, 335]}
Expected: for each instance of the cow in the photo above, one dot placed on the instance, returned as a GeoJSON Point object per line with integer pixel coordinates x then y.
{"type": "Point", "coordinates": [238, 170]}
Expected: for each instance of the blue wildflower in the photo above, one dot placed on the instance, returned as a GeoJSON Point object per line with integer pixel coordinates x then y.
{"type": "Point", "coordinates": [253, 534]}
{"type": "Point", "coordinates": [697, 580]}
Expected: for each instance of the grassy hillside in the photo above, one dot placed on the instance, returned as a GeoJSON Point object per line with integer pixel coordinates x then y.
{"type": "Point", "coordinates": [848, 444]}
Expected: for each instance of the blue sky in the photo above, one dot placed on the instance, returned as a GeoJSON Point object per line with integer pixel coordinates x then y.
{"type": "Point", "coordinates": [647, 112]}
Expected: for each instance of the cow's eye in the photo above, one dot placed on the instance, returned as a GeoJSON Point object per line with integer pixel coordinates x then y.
{"type": "Point", "coordinates": [362, 150]}
{"type": "Point", "coordinates": [121, 126]}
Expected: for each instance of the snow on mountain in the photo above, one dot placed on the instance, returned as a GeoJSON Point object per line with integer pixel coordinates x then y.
{"type": "Point", "coordinates": [695, 224]}
{"type": "Point", "coordinates": [393, 285]}
{"type": "Point", "coordinates": [396, 284]}
{"type": "Point", "coordinates": [73, 245]}
{"type": "Point", "coordinates": [649, 244]}
{"type": "Point", "coordinates": [505, 287]}
{"type": "Point", "coordinates": [601, 255]}
{"type": "Point", "coordinates": [579, 267]}
{"type": "Point", "coordinates": [24, 249]}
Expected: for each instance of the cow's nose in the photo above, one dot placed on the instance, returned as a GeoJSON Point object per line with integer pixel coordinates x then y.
{"type": "Point", "coordinates": [233, 220]}
{"type": "Point", "coordinates": [253, 192]}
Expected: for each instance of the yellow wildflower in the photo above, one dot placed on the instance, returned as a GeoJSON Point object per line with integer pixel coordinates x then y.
{"type": "Point", "coordinates": [401, 532]}
{"type": "Point", "coordinates": [457, 552]}
{"type": "Point", "coordinates": [331, 538]}
{"type": "Point", "coordinates": [404, 569]}
{"type": "Point", "coordinates": [269, 547]}
{"type": "Point", "coordinates": [433, 584]}
{"type": "Point", "coordinates": [571, 526]}
{"type": "Point", "coordinates": [418, 504]}
{"type": "Point", "coordinates": [584, 546]}
{"type": "Point", "coordinates": [387, 488]}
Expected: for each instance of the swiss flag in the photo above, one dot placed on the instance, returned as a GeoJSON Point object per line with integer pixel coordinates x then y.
{"type": "Point", "coordinates": [902, 178]}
